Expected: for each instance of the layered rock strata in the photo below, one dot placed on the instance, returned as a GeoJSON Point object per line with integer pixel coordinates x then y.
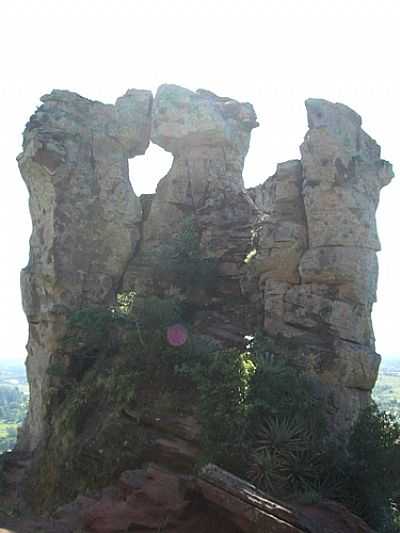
{"type": "Point", "coordinates": [316, 258]}
{"type": "Point", "coordinates": [85, 218]}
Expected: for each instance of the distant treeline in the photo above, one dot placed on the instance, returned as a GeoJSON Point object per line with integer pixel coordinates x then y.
{"type": "Point", "coordinates": [11, 400]}
{"type": "Point", "coordinates": [13, 406]}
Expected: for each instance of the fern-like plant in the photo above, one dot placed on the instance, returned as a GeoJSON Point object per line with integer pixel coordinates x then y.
{"type": "Point", "coordinates": [280, 462]}
{"type": "Point", "coordinates": [265, 470]}
{"type": "Point", "coordinates": [283, 436]}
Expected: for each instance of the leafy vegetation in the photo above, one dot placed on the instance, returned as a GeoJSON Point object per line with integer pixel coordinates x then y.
{"type": "Point", "coordinates": [371, 469]}
{"type": "Point", "coordinates": [265, 420]}
{"type": "Point", "coordinates": [181, 262]}
{"type": "Point", "coordinates": [221, 378]}
{"type": "Point", "coordinates": [261, 418]}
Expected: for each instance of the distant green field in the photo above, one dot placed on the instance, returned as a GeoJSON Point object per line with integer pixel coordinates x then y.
{"type": "Point", "coordinates": [387, 393]}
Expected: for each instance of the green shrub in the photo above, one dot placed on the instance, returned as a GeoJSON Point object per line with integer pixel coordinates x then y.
{"type": "Point", "coordinates": [260, 418]}
{"type": "Point", "coordinates": [222, 378]}
{"type": "Point", "coordinates": [181, 262]}
{"type": "Point", "coordinates": [90, 334]}
{"type": "Point", "coordinates": [280, 391]}
{"type": "Point", "coordinates": [154, 313]}
{"type": "Point", "coordinates": [292, 455]}
{"type": "Point", "coordinates": [370, 472]}
{"type": "Point", "coordinates": [286, 428]}
{"type": "Point", "coordinates": [57, 368]}
{"type": "Point", "coordinates": [92, 323]}
{"type": "Point", "coordinates": [133, 323]}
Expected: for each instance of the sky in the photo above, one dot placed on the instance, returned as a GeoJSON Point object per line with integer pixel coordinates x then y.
{"type": "Point", "coordinates": [272, 53]}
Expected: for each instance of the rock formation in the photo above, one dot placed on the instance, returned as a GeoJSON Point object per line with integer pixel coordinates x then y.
{"type": "Point", "coordinates": [85, 218]}
{"type": "Point", "coordinates": [316, 260]}
{"type": "Point", "coordinates": [311, 282]}
{"type": "Point", "coordinates": [209, 138]}
{"type": "Point", "coordinates": [294, 256]}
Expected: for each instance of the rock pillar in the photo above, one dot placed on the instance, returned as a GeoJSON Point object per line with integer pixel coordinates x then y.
{"type": "Point", "coordinates": [85, 219]}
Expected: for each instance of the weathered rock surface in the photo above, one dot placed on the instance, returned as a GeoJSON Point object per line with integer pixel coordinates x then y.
{"type": "Point", "coordinates": [85, 218]}
{"type": "Point", "coordinates": [253, 510]}
{"type": "Point", "coordinates": [209, 137]}
{"type": "Point", "coordinates": [282, 235]}
{"type": "Point", "coordinates": [215, 501]}
{"type": "Point", "coordinates": [156, 499]}
{"type": "Point", "coordinates": [316, 254]}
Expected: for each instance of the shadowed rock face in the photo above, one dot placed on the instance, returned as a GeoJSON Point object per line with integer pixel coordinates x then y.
{"type": "Point", "coordinates": [85, 217]}
{"type": "Point", "coordinates": [312, 281]}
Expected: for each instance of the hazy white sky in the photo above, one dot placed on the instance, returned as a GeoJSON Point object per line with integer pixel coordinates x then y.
{"type": "Point", "coordinates": [272, 53]}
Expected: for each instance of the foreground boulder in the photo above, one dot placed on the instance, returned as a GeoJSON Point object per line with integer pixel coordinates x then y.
{"type": "Point", "coordinates": [155, 499]}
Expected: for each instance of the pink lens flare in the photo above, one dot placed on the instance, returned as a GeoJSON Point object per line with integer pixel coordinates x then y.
{"type": "Point", "coordinates": [177, 335]}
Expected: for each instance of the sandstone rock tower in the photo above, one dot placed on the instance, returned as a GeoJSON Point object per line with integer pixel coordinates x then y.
{"type": "Point", "coordinates": [317, 260]}
{"type": "Point", "coordinates": [85, 218]}
{"type": "Point", "coordinates": [312, 281]}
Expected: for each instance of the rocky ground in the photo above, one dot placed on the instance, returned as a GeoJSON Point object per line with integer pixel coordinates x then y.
{"type": "Point", "coordinates": [156, 499]}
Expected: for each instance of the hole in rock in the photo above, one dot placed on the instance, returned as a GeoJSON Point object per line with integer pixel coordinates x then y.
{"type": "Point", "coordinates": [146, 171]}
